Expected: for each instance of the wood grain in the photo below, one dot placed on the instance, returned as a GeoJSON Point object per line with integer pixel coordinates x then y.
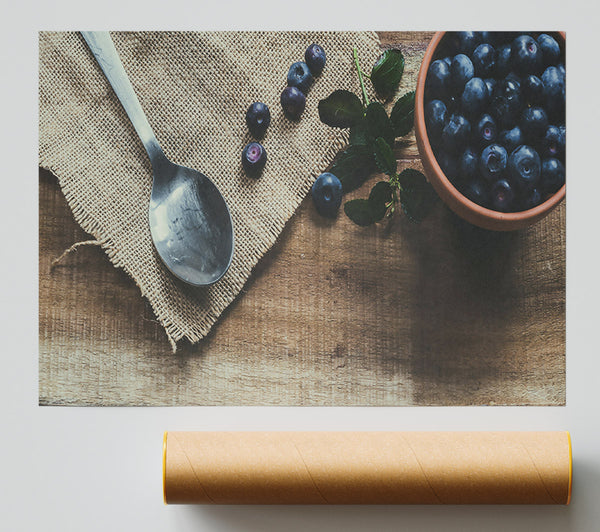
{"type": "Point", "coordinates": [439, 313]}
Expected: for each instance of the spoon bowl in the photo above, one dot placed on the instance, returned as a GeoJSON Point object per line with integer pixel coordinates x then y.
{"type": "Point", "coordinates": [189, 219]}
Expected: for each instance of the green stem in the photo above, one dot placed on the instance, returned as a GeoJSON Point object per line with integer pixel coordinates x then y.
{"type": "Point", "coordinates": [360, 78]}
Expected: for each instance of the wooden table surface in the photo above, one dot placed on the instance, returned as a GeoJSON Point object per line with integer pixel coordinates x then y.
{"type": "Point", "coordinates": [440, 313]}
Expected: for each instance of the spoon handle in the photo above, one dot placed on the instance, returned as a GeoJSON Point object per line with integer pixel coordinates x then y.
{"type": "Point", "coordinates": [101, 45]}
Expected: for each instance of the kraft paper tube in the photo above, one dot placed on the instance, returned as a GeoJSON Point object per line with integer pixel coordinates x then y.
{"type": "Point", "coordinates": [367, 467]}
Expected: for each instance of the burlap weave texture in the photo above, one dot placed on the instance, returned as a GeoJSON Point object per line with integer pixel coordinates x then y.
{"type": "Point", "coordinates": [195, 88]}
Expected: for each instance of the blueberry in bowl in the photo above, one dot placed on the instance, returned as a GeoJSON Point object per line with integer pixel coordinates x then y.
{"type": "Point", "coordinates": [490, 124]}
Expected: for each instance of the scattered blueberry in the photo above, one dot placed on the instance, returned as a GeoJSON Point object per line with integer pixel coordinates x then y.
{"type": "Point", "coordinates": [315, 59]}
{"type": "Point", "coordinates": [299, 76]}
{"type": "Point", "coordinates": [484, 60]}
{"type": "Point", "coordinates": [435, 118]}
{"type": "Point", "coordinates": [524, 166]}
{"type": "Point", "coordinates": [502, 196]}
{"type": "Point", "coordinates": [293, 102]}
{"type": "Point", "coordinates": [553, 175]}
{"type": "Point", "coordinates": [254, 158]}
{"type": "Point", "coordinates": [492, 162]}
{"type": "Point", "coordinates": [327, 194]}
{"type": "Point", "coordinates": [258, 118]}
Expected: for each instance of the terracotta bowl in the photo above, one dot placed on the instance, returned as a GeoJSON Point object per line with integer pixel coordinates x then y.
{"type": "Point", "coordinates": [465, 208]}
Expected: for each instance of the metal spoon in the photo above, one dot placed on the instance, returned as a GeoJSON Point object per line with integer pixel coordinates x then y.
{"type": "Point", "coordinates": [189, 220]}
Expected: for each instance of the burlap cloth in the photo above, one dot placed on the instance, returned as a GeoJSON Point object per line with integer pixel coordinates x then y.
{"type": "Point", "coordinates": [195, 88]}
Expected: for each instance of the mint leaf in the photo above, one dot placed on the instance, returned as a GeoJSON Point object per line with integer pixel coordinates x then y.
{"type": "Point", "coordinates": [384, 157]}
{"type": "Point", "coordinates": [359, 134]}
{"type": "Point", "coordinates": [403, 114]}
{"type": "Point", "coordinates": [353, 166]}
{"type": "Point", "coordinates": [387, 72]}
{"type": "Point", "coordinates": [379, 199]}
{"type": "Point", "coordinates": [417, 196]}
{"type": "Point", "coordinates": [378, 123]}
{"type": "Point", "coordinates": [359, 211]}
{"type": "Point", "coordinates": [341, 108]}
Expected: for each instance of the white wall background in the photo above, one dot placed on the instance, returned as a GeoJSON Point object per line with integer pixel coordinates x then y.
{"type": "Point", "coordinates": [92, 469]}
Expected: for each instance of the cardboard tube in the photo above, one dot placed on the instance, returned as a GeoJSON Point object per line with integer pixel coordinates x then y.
{"type": "Point", "coordinates": [367, 467]}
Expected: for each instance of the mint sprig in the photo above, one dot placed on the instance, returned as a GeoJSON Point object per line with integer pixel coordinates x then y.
{"type": "Point", "coordinates": [372, 136]}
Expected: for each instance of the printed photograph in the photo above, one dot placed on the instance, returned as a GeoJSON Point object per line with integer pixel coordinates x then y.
{"type": "Point", "coordinates": [302, 218]}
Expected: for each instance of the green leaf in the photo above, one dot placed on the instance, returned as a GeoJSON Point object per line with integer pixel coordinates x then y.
{"type": "Point", "coordinates": [403, 114]}
{"type": "Point", "coordinates": [379, 199]}
{"type": "Point", "coordinates": [359, 134]}
{"type": "Point", "coordinates": [378, 123]}
{"type": "Point", "coordinates": [417, 196]}
{"type": "Point", "coordinates": [359, 211]}
{"type": "Point", "coordinates": [387, 72]}
{"type": "Point", "coordinates": [341, 109]}
{"type": "Point", "coordinates": [353, 166]}
{"type": "Point", "coordinates": [384, 156]}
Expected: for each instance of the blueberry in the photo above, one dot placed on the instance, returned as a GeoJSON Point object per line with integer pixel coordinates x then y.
{"type": "Point", "coordinates": [532, 90]}
{"type": "Point", "coordinates": [503, 63]}
{"type": "Point", "coordinates": [534, 122]}
{"type": "Point", "coordinates": [474, 96]}
{"type": "Point", "coordinates": [485, 130]}
{"type": "Point", "coordinates": [563, 72]}
{"type": "Point", "coordinates": [550, 49]}
{"type": "Point", "coordinates": [492, 162]}
{"type": "Point", "coordinates": [553, 143]}
{"type": "Point", "coordinates": [532, 199]}
{"type": "Point", "coordinates": [506, 103]}
{"type": "Point", "coordinates": [502, 196]}
{"type": "Point", "coordinates": [524, 166]}
{"type": "Point", "coordinates": [526, 56]}
{"type": "Point", "coordinates": [435, 118]}
{"type": "Point", "coordinates": [448, 61]}
{"type": "Point", "coordinates": [553, 175]}
{"type": "Point", "coordinates": [477, 192]}
{"type": "Point", "coordinates": [299, 76]}
{"type": "Point", "coordinates": [438, 78]}
{"type": "Point", "coordinates": [315, 59]}
{"type": "Point", "coordinates": [254, 158]}
{"type": "Point", "coordinates": [490, 83]}
{"type": "Point", "coordinates": [467, 41]}
{"type": "Point", "coordinates": [327, 194]}
{"type": "Point", "coordinates": [484, 60]}
{"type": "Point", "coordinates": [461, 71]}
{"type": "Point", "coordinates": [293, 102]}
{"type": "Point", "coordinates": [511, 139]}
{"type": "Point", "coordinates": [456, 132]}
{"type": "Point", "coordinates": [469, 163]}
{"type": "Point", "coordinates": [554, 90]}
{"type": "Point", "coordinates": [258, 118]}
{"type": "Point", "coordinates": [448, 163]}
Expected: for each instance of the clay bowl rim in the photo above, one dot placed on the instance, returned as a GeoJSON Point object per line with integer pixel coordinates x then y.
{"type": "Point", "coordinates": [460, 204]}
